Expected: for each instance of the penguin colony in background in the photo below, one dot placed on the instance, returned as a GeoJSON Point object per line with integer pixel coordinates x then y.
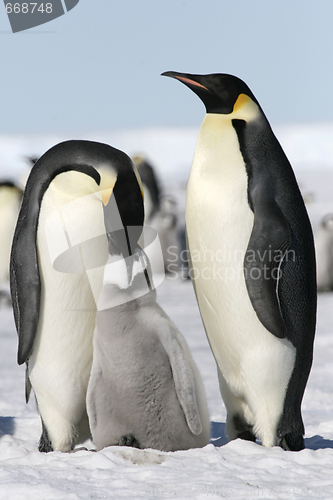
{"type": "Point", "coordinates": [11, 193]}
{"type": "Point", "coordinates": [254, 273]}
{"type": "Point", "coordinates": [150, 186]}
{"type": "Point", "coordinates": [70, 219]}
{"type": "Point", "coordinates": [161, 213]}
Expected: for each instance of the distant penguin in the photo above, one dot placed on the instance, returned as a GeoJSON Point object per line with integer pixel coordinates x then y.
{"type": "Point", "coordinates": [252, 250]}
{"type": "Point", "coordinates": [150, 185]}
{"type": "Point", "coordinates": [10, 201]}
{"type": "Point", "coordinates": [58, 255]}
{"type": "Point", "coordinates": [161, 213]}
{"type": "Point", "coordinates": [165, 223]}
{"type": "Point", "coordinates": [144, 390]}
{"type": "Point", "coordinates": [324, 254]}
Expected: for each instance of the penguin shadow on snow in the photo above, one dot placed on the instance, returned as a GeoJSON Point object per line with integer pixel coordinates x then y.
{"type": "Point", "coordinates": [318, 443]}
{"type": "Point", "coordinates": [217, 434]}
{"type": "Point", "coordinates": [7, 426]}
{"type": "Point", "coordinates": [218, 438]}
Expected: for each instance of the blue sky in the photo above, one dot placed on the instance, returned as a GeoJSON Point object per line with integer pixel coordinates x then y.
{"type": "Point", "coordinates": [98, 67]}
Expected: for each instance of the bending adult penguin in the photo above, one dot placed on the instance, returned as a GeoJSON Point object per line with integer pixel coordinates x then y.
{"type": "Point", "coordinates": [255, 282]}
{"type": "Point", "coordinates": [58, 253]}
{"type": "Point", "coordinates": [144, 390]}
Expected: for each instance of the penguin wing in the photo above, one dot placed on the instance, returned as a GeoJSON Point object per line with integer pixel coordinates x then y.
{"type": "Point", "coordinates": [268, 246]}
{"type": "Point", "coordinates": [183, 378]}
{"type": "Point", "coordinates": [25, 288]}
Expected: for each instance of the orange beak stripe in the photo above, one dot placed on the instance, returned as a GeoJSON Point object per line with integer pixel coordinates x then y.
{"type": "Point", "coordinates": [191, 82]}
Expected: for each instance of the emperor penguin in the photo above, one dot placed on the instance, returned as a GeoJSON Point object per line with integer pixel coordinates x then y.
{"type": "Point", "coordinates": [253, 263]}
{"type": "Point", "coordinates": [150, 185]}
{"type": "Point", "coordinates": [324, 253]}
{"type": "Point", "coordinates": [161, 213]}
{"type": "Point", "coordinates": [58, 254]}
{"type": "Point", "coordinates": [10, 201]}
{"type": "Point", "coordinates": [144, 390]}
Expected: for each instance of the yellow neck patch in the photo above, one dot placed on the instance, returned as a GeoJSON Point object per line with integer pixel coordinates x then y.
{"type": "Point", "coordinates": [241, 101]}
{"type": "Point", "coordinates": [106, 195]}
{"type": "Point", "coordinates": [245, 108]}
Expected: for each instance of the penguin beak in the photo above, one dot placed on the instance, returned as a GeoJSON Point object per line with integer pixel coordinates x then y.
{"type": "Point", "coordinates": [191, 81]}
{"type": "Point", "coordinates": [119, 245]}
{"type": "Point", "coordinates": [123, 219]}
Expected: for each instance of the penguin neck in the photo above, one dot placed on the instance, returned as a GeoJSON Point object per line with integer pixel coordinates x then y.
{"type": "Point", "coordinates": [120, 288]}
{"type": "Point", "coordinates": [218, 182]}
{"type": "Point", "coordinates": [116, 273]}
{"type": "Point", "coordinates": [216, 148]}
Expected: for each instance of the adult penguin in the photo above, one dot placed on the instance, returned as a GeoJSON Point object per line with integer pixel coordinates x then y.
{"type": "Point", "coordinates": [324, 253]}
{"type": "Point", "coordinates": [250, 240]}
{"type": "Point", "coordinates": [10, 200]}
{"type": "Point", "coordinates": [56, 272]}
{"type": "Point", "coordinates": [150, 185]}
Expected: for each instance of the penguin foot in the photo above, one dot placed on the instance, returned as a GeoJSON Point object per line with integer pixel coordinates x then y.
{"type": "Point", "coordinates": [247, 436]}
{"type": "Point", "coordinates": [45, 445]}
{"type": "Point", "coordinates": [129, 440]}
{"type": "Point", "coordinates": [243, 430]}
{"type": "Point", "coordinates": [292, 443]}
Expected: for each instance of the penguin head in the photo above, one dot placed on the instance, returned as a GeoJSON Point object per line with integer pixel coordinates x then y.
{"type": "Point", "coordinates": [327, 222]}
{"type": "Point", "coordinates": [127, 279]}
{"type": "Point", "coordinates": [221, 93]}
{"type": "Point", "coordinates": [124, 214]}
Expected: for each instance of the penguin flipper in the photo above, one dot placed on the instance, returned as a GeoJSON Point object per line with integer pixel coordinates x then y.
{"type": "Point", "coordinates": [183, 379]}
{"type": "Point", "coordinates": [268, 246]}
{"type": "Point", "coordinates": [25, 290]}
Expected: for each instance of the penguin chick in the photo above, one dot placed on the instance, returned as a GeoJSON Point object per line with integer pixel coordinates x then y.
{"type": "Point", "coordinates": [144, 390]}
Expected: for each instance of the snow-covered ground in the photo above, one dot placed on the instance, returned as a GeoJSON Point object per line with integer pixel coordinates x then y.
{"type": "Point", "coordinates": [234, 470]}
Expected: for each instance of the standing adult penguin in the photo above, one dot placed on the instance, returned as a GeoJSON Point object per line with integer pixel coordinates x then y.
{"type": "Point", "coordinates": [255, 282]}
{"type": "Point", "coordinates": [58, 253]}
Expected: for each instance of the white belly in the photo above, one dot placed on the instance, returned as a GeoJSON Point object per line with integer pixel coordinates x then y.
{"type": "Point", "coordinates": [219, 223]}
{"type": "Point", "coordinates": [60, 364]}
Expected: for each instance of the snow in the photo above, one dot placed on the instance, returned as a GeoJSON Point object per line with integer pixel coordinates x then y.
{"type": "Point", "coordinates": [236, 470]}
